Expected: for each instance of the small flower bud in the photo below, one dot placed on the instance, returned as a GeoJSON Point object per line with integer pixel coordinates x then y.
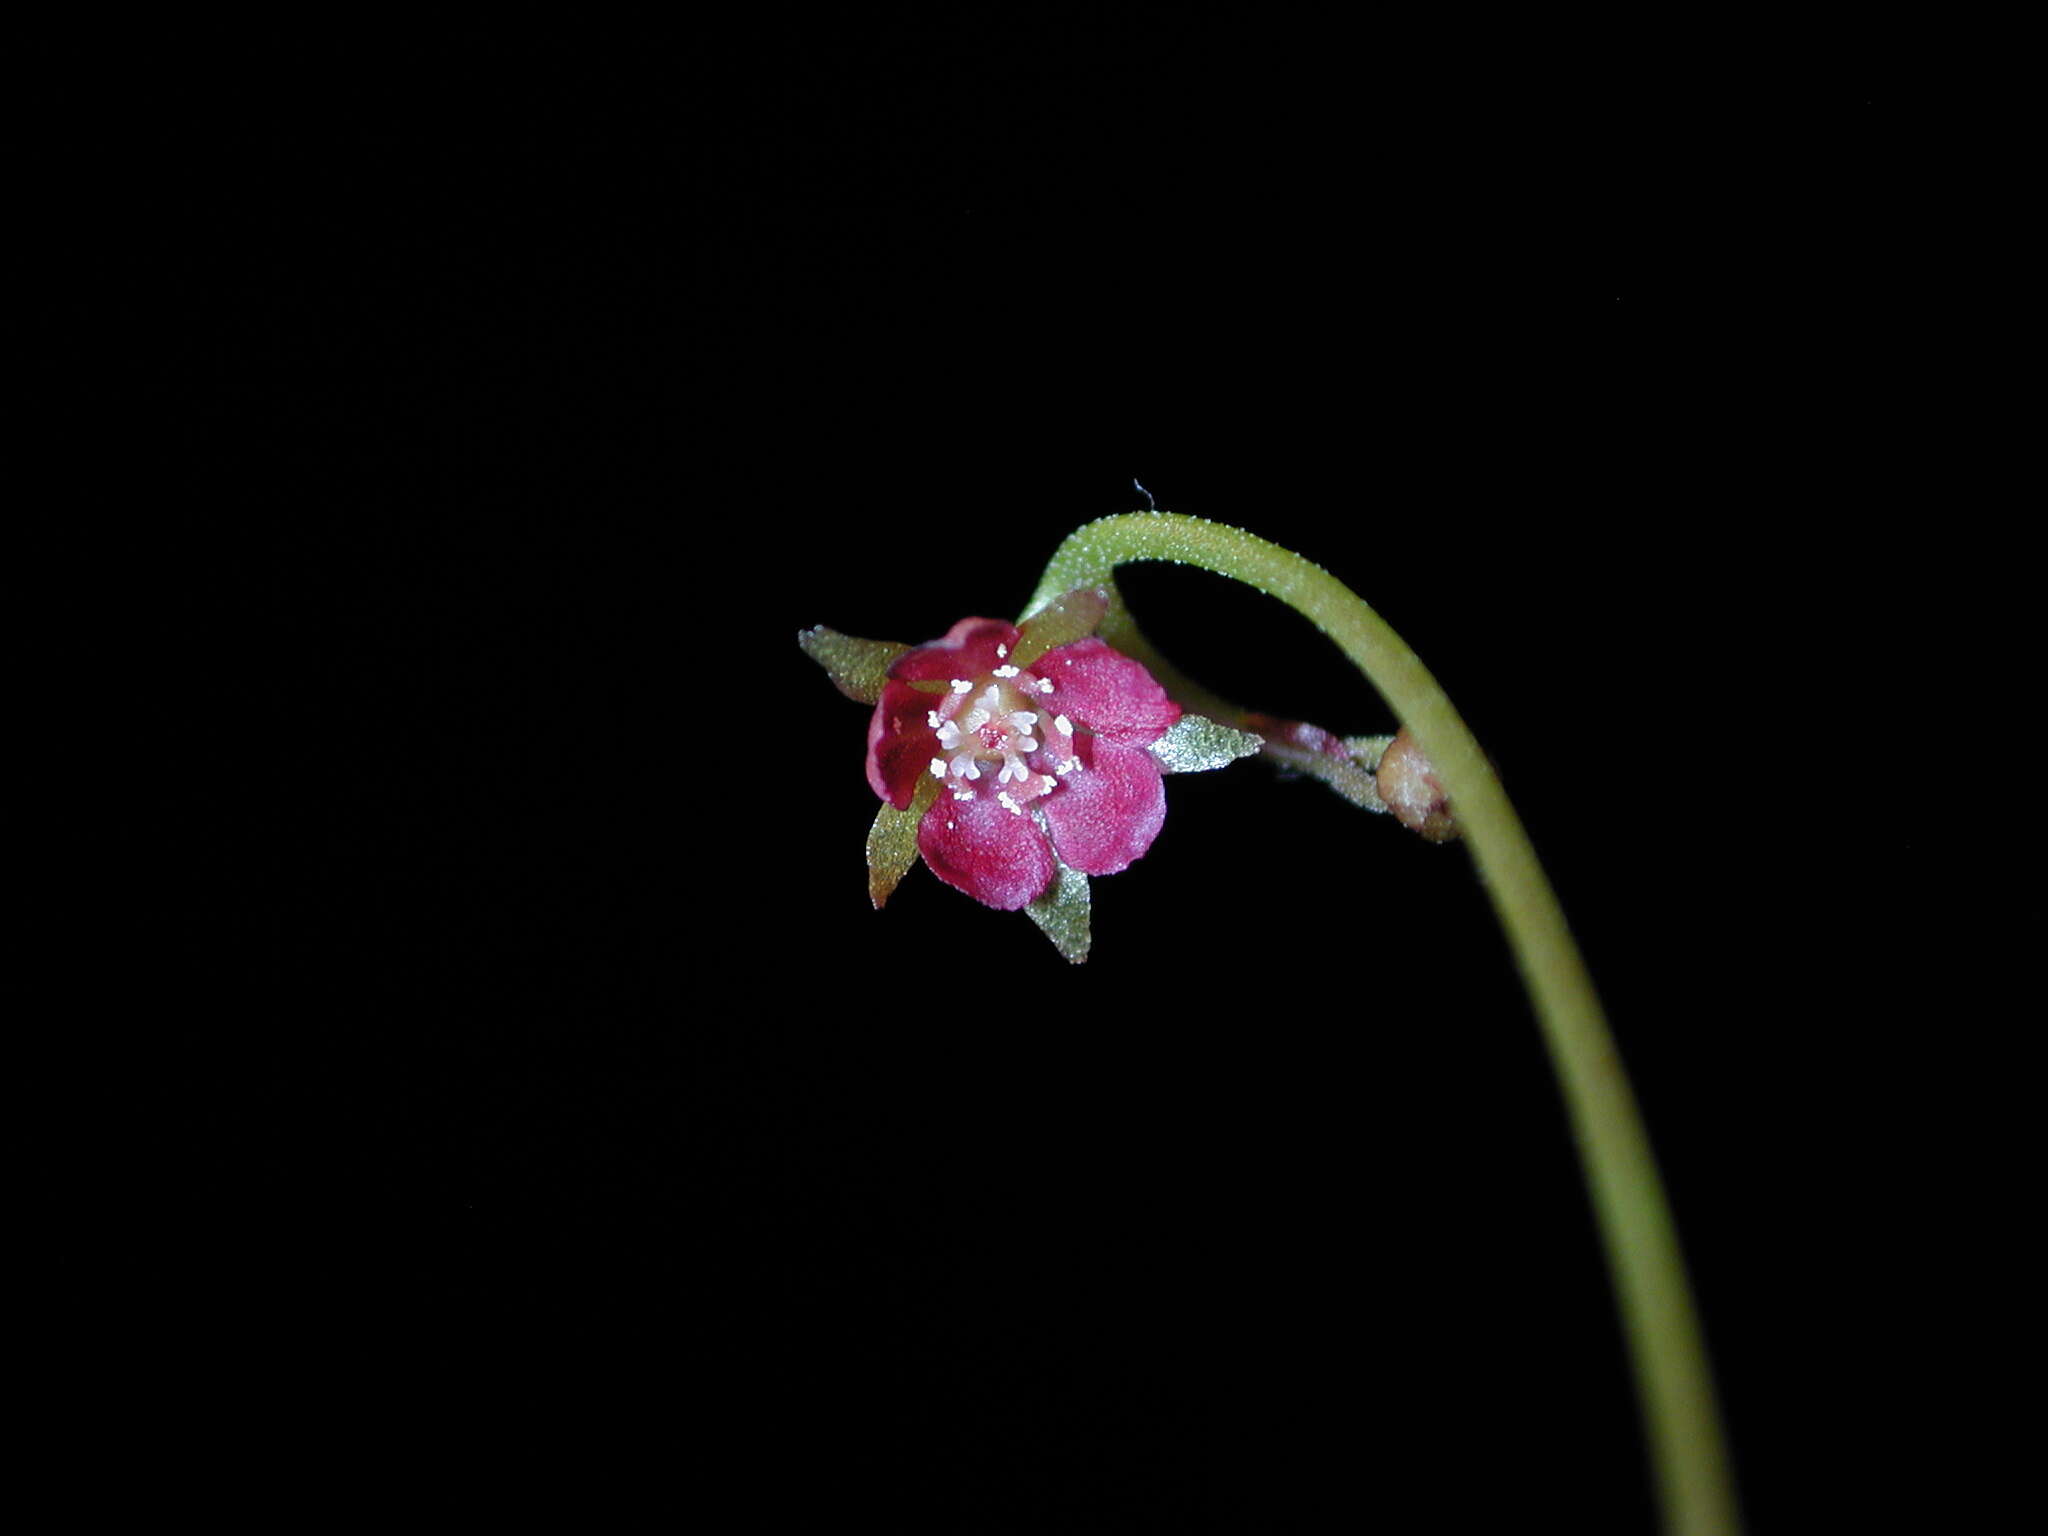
{"type": "Point", "coordinates": [1410, 788]}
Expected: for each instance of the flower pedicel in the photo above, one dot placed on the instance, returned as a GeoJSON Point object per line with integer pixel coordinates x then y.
{"type": "Point", "coordinates": [1017, 761]}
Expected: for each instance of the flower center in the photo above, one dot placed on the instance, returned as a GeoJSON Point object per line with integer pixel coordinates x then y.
{"type": "Point", "coordinates": [991, 735]}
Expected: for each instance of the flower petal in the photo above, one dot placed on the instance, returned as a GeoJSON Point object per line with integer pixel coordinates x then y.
{"type": "Point", "coordinates": [899, 743]}
{"type": "Point", "coordinates": [995, 855]}
{"type": "Point", "coordinates": [968, 649]}
{"type": "Point", "coordinates": [1107, 814]}
{"type": "Point", "coordinates": [1107, 692]}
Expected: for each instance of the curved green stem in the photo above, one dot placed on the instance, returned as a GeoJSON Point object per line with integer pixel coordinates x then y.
{"type": "Point", "coordinates": [1665, 1344]}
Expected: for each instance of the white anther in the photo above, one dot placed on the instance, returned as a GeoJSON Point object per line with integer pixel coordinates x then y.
{"type": "Point", "coordinates": [1009, 805]}
{"type": "Point", "coordinates": [961, 685]}
{"type": "Point", "coordinates": [1067, 767]}
{"type": "Point", "coordinates": [963, 766]}
{"type": "Point", "coordinates": [931, 718]}
{"type": "Point", "coordinates": [963, 794]}
{"type": "Point", "coordinates": [938, 767]}
{"type": "Point", "coordinates": [1002, 651]}
{"type": "Point", "coordinates": [1027, 743]}
{"type": "Point", "coordinates": [1045, 685]}
{"type": "Point", "coordinates": [1063, 725]}
{"type": "Point", "coordinates": [1005, 672]}
{"type": "Point", "coordinates": [1022, 719]}
{"type": "Point", "coordinates": [949, 735]}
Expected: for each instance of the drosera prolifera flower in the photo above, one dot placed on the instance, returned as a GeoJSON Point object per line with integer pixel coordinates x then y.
{"type": "Point", "coordinates": [1018, 760]}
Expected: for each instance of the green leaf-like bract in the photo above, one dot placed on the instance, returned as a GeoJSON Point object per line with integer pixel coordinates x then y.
{"type": "Point", "coordinates": [1351, 777]}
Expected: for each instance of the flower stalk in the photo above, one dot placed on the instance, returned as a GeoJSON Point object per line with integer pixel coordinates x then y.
{"type": "Point", "coordinates": [1666, 1347]}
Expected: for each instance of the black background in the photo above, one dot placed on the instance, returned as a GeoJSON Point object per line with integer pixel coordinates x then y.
{"type": "Point", "coordinates": [592, 1133]}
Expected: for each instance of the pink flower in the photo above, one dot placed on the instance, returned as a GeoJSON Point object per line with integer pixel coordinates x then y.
{"type": "Point", "coordinates": [1028, 755]}
{"type": "Point", "coordinates": [1065, 736]}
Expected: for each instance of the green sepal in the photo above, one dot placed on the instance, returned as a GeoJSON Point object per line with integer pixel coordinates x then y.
{"type": "Point", "coordinates": [1065, 619]}
{"type": "Point", "coordinates": [892, 842]}
{"type": "Point", "coordinates": [858, 668]}
{"type": "Point", "coordinates": [1062, 914]}
{"type": "Point", "coordinates": [1196, 744]}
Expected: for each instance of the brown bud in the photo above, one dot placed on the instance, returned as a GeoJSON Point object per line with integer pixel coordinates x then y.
{"type": "Point", "coordinates": [1409, 786]}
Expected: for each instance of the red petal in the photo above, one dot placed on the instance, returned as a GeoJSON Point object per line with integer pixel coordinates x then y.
{"type": "Point", "coordinates": [967, 650]}
{"type": "Point", "coordinates": [1107, 814]}
{"type": "Point", "coordinates": [1106, 691]}
{"type": "Point", "coordinates": [900, 743]}
{"type": "Point", "coordinates": [995, 855]}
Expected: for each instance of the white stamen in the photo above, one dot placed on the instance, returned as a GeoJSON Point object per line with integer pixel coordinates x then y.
{"type": "Point", "coordinates": [1027, 743]}
{"type": "Point", "coordinates": [1009, 805]}
{"type": "Point", "coordinates": [1045, 685]}
{"type": "Point", "coordinates": [1002, 650]}
{"type": "Point", "coordinates": [949, 735]}
{"type": "Point", "coordinates": [1063, 725]}
{"type": "Point", "coordinates": [992, 700]}
{"type": "Point", "coordinates": [938, 767]}
{"type": "Point", "coordinates": [1067, 767]}
{"type": "Point", "coordinates": [1022, 719]}
{"type": "Point", "coordinates": [961, 685]}
{"type": "Point", "coordinates": [1005, 672]}
{"type": "Point", "coordinates": [963, 794]}
{"type": "Point", "coordinates": [931, 718]}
